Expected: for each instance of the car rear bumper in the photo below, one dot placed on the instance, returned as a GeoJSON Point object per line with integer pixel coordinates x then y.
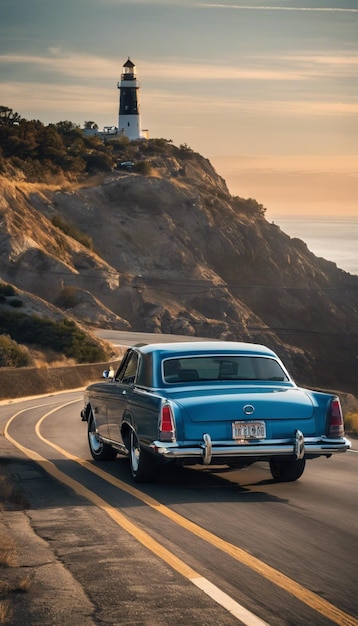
{"type": "Point", "coordinates": [298, 447]}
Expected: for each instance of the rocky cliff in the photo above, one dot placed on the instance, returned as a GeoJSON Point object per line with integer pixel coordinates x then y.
{"type": "Point", "coordinates": [172, 251]}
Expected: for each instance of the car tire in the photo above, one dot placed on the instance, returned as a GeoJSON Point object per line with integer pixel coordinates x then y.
{"type": "Point", "coordinates": [286, 470]}
{"type": "Point", "coordinates": [143, 467]}
{"type": "Point", "coordinates": [100, 451]}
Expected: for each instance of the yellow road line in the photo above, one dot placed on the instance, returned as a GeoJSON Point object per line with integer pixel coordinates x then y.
{"type": "Point", "coordinates": [214, 592]}
{"type": "Point", "coordinates": [276, 577]}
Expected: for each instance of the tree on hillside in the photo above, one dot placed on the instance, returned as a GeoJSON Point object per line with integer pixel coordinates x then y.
{"type": "Point", "coordinates": [62, 148]}
{"type": "Point", "coordinates": [91, 124]}
{"type": "Point", "coordinates": [65, 127]}
{"type": "Point", "coordinates": [51, 145]}
{"type": "Point", "coordinates": [8, 117]}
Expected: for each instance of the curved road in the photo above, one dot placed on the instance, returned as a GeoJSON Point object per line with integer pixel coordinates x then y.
{"type": "Point", "coordinates": [200, 546]}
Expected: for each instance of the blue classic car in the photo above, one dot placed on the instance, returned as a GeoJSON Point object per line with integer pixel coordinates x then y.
{"type": "Point", "coordinates": [215, 402]}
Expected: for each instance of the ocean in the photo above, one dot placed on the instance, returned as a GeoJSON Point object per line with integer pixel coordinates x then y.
{"type": "Point", "coordinates": [333, 238]}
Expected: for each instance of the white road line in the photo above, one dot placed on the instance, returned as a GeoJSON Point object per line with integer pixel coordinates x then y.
{"type": "Point", "coordinates": [237, 610]}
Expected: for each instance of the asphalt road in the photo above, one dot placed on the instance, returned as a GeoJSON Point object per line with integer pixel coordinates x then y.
{"type": "Point", "coordinates": [201, 546]}
{"type": "Point", "coordinates": [125, 338]}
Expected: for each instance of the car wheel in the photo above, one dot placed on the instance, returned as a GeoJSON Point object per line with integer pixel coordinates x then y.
{"type": "Point", "coordinates": [286, 470]}
{"type": "Point", "coordinates": [100, 451]}
{"type": "Point", "coordinates": [142, 465]}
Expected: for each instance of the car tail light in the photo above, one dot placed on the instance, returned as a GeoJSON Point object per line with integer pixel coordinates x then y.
{"type": "Point", "coordinates": [166, 424]}
{"type": "Point", "coordinates": [335, 419]}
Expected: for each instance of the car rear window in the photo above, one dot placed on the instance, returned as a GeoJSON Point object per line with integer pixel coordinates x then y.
{"type": "Point", "coordinates": [214, 368]}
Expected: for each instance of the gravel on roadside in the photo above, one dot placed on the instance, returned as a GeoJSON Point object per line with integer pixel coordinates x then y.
{"type": "Point", "coordinates": [35, 586]}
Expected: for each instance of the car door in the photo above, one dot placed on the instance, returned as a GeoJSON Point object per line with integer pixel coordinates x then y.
{"type": "Point", "coordinates": [123, 385]}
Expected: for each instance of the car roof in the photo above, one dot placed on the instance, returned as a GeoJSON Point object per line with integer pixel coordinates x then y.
{"type": "Point", "coordinates": [195, 348]}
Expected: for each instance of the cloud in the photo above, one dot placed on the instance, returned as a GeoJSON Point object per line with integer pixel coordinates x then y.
{"type": "Point", "coordinates": [203, 73]}
{"type": "Point", "coordinates": [206, 5]}
{"type": "Point", "coordinates": [274, 68]}
{"type": "Point", "coordinates": [277, 8]}
{"type": "Point", "coordinates": [99, 69]}
{"type": "Point", "coordinates": [338, 59]}
{"type": "Point", "coordinates": [54, 102]}
{"type": "Point", "coordinates": [251, 107]}
{"type": "Point", "coordinates": [337, 63]}
{"type": "Point", "coordinates": [320, 108]}
{"type": "Point", "coordinates": [58, 102]}
{"type": "Point", "coordinates": [71, 65]}
{"type": "Point", "coordinates": [62, 84]}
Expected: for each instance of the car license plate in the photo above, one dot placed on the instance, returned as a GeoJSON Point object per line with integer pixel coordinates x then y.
{"type": "Point", "coordinates": [249, 430]}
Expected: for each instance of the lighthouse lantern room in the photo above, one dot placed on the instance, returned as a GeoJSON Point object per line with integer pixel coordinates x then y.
{"type": "Point", "coordinates": [129, 117]}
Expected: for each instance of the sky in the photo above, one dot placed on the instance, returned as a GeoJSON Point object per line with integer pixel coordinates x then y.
{"type": "Point", "coordinates": [267, 90]}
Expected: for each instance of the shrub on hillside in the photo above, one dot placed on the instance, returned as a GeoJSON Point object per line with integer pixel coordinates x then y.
{"type": "Point", "coordinates": [99, 162]}
{"type": "Point", "coordinates": [62, 150]}
{"type": "Point", "coordinates": [67, 298]}
{"type": "Point", "coordinates": [64, 337]}
{"type": "Point", "coordinates": [143, 167]}
{"type": "Point", "coordinates": [351, 422]}
{"type": "Point", "coordinates": [72, 231]}
{"type": "Point", "coordinates": [16, 303]}
{"type": "Point", "coordinates": [7, 290]}
{"type": "Point", "coordinates": [248, 206]}
{"type": "Point", "coordinates": [11, 354]}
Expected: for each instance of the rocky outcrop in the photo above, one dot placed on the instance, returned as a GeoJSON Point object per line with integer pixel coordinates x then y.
{"type": "Point", "coordinates": [174, 252]}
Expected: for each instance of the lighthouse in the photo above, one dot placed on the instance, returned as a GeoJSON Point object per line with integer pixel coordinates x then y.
{"type": "Point", "coordinates": [129, 116]}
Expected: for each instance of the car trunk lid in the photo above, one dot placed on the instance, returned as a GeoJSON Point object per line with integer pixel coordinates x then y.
{"type": "Point", "coordinates": [283, 410]}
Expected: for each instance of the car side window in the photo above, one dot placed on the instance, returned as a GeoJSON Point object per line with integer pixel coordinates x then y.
{"type": "Point", "coordinates": [128, 374]}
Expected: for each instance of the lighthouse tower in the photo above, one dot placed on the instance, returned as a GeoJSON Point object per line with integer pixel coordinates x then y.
{"type": "Point", "coordinates": [129, 117]}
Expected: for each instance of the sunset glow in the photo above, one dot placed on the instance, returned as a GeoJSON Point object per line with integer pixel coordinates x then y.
{"type": "Point", "coordinates": [267, 91]}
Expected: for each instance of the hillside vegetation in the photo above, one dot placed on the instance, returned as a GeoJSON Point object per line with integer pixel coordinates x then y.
{"type": "Point", "coordinates": [26, 337]}
{"type": "Point", "coordinates": [164, 247]}
{"type": "Point", "coordinates": [63, 152]}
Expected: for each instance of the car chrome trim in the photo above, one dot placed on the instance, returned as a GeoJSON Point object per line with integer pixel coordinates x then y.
{"type": "Point", "coordinates": [248, 409]}
{"type": "Point", "coordinates": [211, 449]}
{"type": "Point", "coordinates": [299, 445]}
{"type": "Point", "coordinates": [207, 449]}
{"type": "Point", "coordinates": [115, 444]}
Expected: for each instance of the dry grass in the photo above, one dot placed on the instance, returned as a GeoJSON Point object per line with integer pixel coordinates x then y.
{"type": "Point", "coordinates": [7, 560]}
{"type": "Point", "coordinates": [7, 551]}
{"type": "Point", "coordinates": [24, 584]}
{"type": "Point", "coordinates": [5, 612]}
{"type": "Point", "coordinates": [45, 358]}
{"type": "Point", "coordinates": [351, 422]}
{"type": "Point", "coordinates": [5, 491]}
{"type": "Point", "coordinates": [12, 580]}
{"type": "Point", "coordinates": [7, 596]}
{"type": "Point", "coordinates": [11, 496]}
